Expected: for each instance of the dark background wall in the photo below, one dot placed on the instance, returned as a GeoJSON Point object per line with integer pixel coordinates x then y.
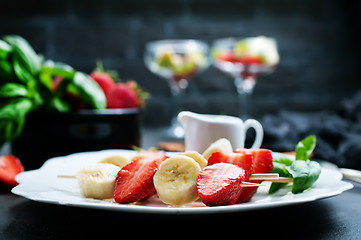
{"type": "Point", "coordinates": [319, 44]}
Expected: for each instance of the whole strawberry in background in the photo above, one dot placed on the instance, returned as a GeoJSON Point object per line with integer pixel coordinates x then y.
{"type": "Point", "coordinates": [104, 80]}
{"type": "Point", "coordinates": [119, 94]}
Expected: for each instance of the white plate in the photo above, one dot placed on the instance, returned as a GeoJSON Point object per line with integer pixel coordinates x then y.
{"type": "Point", "coordinates": [43, 185]}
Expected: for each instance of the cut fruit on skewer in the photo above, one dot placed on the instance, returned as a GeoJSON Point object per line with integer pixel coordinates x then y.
{"type": "Point", "coordinates": [271, 177]}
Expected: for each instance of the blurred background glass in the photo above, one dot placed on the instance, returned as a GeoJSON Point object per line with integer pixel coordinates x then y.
{"type": "Point", "coordinates": [178, 62]}
{"type": "Point", "coordinates": [318, 41]}
{"type": "Point", "coordinates": [245, 60]}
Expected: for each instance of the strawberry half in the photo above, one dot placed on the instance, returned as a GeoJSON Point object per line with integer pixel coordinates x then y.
{"type": "Point", "coordinates": [10, 166]}
{"type": "Point", "coordinates": [262, 163]}
{"type": "Point", "coordinates": [243, 160]}
{"type": "Point", "coordinates": [134, 181]}
{"type": "Point", "coordinates": [219, 184]}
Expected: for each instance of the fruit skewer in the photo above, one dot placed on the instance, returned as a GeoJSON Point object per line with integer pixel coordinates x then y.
{"type": "Point", "coordinates": [271, 177]}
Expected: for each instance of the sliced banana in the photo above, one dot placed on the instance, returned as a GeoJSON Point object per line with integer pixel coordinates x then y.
{"type": "Point", "coordinates": [98, 180]}
{"type": "Point", "coordinates": [117, 160]}
{"type": "Point", "coordinates": [221, 145]}
{"type": "Point", "coordinates": [196, 157]}
{"type": "Point", "coordinates": [176, 180]}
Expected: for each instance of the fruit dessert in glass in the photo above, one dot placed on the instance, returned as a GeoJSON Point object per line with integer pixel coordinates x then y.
{"type": "Point", "coordinates": [245, 59]}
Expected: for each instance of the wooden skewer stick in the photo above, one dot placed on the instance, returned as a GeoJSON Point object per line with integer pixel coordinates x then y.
{"type": "Point", "coordinates": [264, 176]}
{"type": "Point", "coordinates": [272, 177]}
{"type": "Point", "coordinates": [282, 180]}
{"type": "Point", "coordinates": [66, 176]}
{"type": "Point", "coordinates": [249, 184]}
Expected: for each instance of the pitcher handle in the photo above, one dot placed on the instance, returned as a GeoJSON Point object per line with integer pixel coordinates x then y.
{"type": "Point", "coordinates": [252, 123]}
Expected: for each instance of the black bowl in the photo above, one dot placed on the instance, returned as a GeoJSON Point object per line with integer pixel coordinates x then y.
{"type": "Point", "coordinates": [47, 135]}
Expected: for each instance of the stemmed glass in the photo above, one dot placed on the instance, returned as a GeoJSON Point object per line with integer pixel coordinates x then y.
{"type": "Point", "coordinates": [176, 61]}
{"type": "Point", "coordinates": [245, 59]}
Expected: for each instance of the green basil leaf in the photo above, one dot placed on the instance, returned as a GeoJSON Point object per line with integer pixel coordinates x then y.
{"type": "Point", "coordinates": [88, 91]}
{"type": "Point", "coordinates": [275, 187]}
{"type": "Point", "coordinates": [24, 53]}
{"type": "Point", "coordinates": [5, 49]}
{"type": "Point", "coordinates": [13, 90]}
{"type": "Point", "coordinates": [22, 73]}
{"type": "Point", "coordinates": [6, 70]}
{"type": "Point", "coordinates": [305, 148]}
{"type": "Point", "coordinates": [58, 68]}
{"type": "Point", "coordinates": [305, 174]}
{"type": "Point", "coordinates": [280, 164]}
{"type": "Point", "coordinates": [282, 158]}
{"type": "Point", "coordinates": [12, 118]}
{"type": "Point", "coordinates": [51, 69]}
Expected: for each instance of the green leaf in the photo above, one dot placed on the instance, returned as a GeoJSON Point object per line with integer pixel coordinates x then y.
{"type": "Point", "coordinates": [282, 158]}
{"type": "Point", "coordinates": [275, 187]}
{"type": "Point", "coordinates": [280, 164]}
{"type": "Point", "coordinates": [5, 49]}
{"type": "Point", "coordinates": [13, 90]}
{"type": "Point", "coordinates": [304, 173]}
{"type": "Point", "coordinates": [12, 118]}
{"type": "Point", "coordinates": [58, 104]}
{"type": "Point", "coordinates": [58, 69]}
{"type": "Point", "coordinates": [52, 69]}
{"type": "Point", "coordinates": [305, 148]}
{"type": "Point", "coordinates": [24, 54]}
{"type": "Point", "coordinates": [6, 70]}
{"type": "Point", "coordinates": [21, 72]}
{"type": "Point", "coordinates": [89, 91]}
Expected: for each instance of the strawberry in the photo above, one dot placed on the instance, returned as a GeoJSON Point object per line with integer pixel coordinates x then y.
{"type": "Point", "coordinates": [10, 166]}
{"type": "Point", "coordinates": [248, 60]}
{"type": "Point", "coordinates": [243, 160]}
{"type": "Point", "coordinates": [219, 184]}
{"type": "Point", "coordinates": [134, 181]}
{"type": "Point", "coordinates": [104, 80]}
{"type": "Point", "coordinates": [262, 163]}
{"type": "Point", "coordinates": [227, 56]}
{"type": "Point", "coordinates": [121, 95]}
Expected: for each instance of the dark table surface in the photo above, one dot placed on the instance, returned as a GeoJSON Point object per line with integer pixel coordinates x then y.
{"type": "Point", "coordinates": [337, 217]}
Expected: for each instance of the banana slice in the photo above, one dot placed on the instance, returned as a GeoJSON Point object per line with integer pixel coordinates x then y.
{"type": "Point", "coordinates": [176, 180]}
{"type": "Point", "coordinates": [196, 157]}
{"type": "Point", "coordinates": [98, 180]}
{"type": "Point", "coordinates": [221, 145]}
{"type": "Point", "coordinates": [117, 160]}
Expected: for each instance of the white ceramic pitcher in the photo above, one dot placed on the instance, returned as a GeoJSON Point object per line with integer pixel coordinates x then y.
{"type": "Point", "coordinates": [203, 129]}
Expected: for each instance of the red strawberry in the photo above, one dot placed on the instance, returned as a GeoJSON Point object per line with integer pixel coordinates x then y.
{"type": "Point", "coordinates": [121, 95]}
{"type": "Point", "coordinates": [219, 184]}
{"type": "Point", "coordinates": [227, 56]}
{"type": "Point", "coordinates": [262, 163]}
{"type": "Point", "coordinates": [248, 60]}
{"type": "Point", "coordinates": [262, 159]}
{"type": "Point", "coordinates": [104, 80]}
{"type": "Point", "coordinates": [10, 166]}
{"type": "Point", "coordinates": [243, 160]}
{"type": "Point", "coordinates": [134, 181]}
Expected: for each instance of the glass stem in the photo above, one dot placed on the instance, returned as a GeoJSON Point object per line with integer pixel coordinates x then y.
{"type": "Point", "coordinates": [244, 89]}
{"type": "Point", "coordinates": [178, 92]}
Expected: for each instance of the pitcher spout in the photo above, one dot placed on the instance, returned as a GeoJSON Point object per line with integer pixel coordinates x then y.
{"type": "Point", "coordinates": [185, 116]}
